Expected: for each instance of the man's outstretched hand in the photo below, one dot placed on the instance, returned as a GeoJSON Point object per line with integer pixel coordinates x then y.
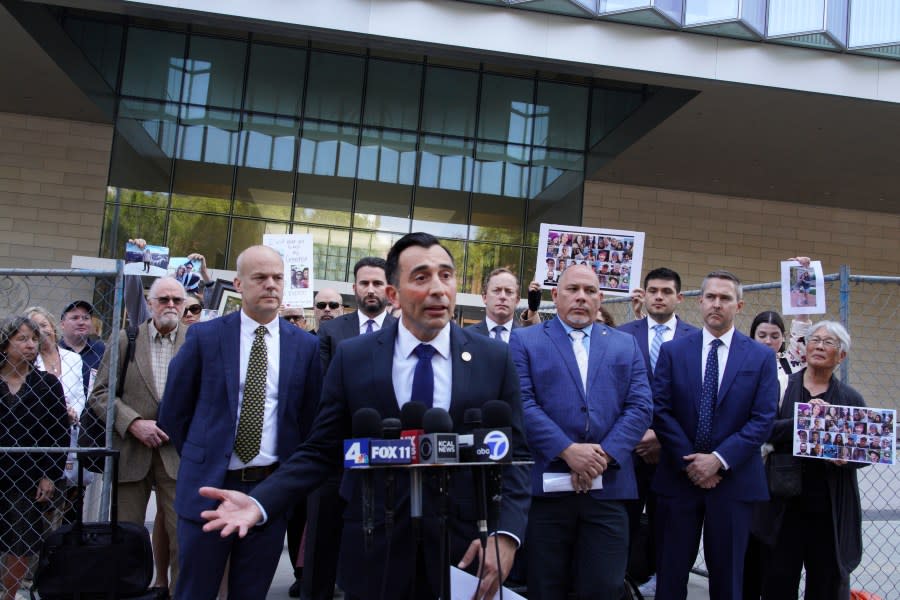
{"type": "Point", "coordinates": [236, 512]}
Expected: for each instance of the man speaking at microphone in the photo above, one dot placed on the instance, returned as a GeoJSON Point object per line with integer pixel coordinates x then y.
{"type": "Point", "coordinates": [424, 358]}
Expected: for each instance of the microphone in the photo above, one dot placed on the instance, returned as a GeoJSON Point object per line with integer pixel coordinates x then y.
{"type": "Point", "coordinates": [438, 444]}
{"type": "Point", "coordinates": [496, 419]}
{"type": "Point", "coordinates": [370, 445]}
{"type": "Point", "coordinates": [366, 423]}
{"type": "Point", "coordinates": [391, 431]}
{"type": "Point", "coordinates": [472, 419]}
{"type": "Point", "coordinates": [411, 415]}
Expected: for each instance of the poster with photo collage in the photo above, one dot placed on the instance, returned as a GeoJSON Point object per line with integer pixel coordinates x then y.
{"type": "Point", "coordinates": [851, 433]}
{"type": "Point", "coordinates": [613, 254]}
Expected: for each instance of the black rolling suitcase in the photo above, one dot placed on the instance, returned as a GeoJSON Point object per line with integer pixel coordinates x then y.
{"type": "Point", "coordinates": [94, 561]}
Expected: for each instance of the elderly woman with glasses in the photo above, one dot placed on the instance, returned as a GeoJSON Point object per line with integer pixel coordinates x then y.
{"type": "Point", "coordinates": [821, 528]}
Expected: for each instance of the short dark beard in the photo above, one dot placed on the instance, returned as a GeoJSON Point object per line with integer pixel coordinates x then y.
{"type": "Point", "coordinates": [371, 310]}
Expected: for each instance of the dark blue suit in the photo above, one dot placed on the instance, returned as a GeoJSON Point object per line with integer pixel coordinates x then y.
{"type": "Point", "coordinates": [324, 518]}
{"type": "Point", "coordinates": [744, 413]}
{"type": "Point", "coordinates": [360, 376]}
{"type": "Point", "coordinates": [199, 413]}
{"type": "Point", "coordinates": [642, 557]}
{"type": "Point", "coordinates": [615, 414]}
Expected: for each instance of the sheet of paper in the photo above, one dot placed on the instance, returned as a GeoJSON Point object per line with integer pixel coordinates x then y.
{"type": "Point", "coordinates": [562, 482]}
{"type": "Point", "coordinates": [463, 586]}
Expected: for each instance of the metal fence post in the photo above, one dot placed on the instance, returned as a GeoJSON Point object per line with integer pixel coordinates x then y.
{"type": "Point", "coordinates": [845, 316]}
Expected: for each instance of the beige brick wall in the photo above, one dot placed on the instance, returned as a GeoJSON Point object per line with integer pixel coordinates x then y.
{"type": "Point", "coordinates": [695, 233]}
{"type": "Point", "coordinates": [53, 175]}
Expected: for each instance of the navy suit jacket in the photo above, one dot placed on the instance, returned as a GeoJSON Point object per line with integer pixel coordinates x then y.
{"type": "Point", "coordinates": [199, 407]}
{"type": "Point", "coordinates": [333, 332]}
{"type": "Point", "coordinates": [639, 329]}
{"type": "Point", "coordinates": [744, 413]}
{"type": "Point", "coordinates": [360, 376]}
{"type": "Point", "coordinates": [615, 414]}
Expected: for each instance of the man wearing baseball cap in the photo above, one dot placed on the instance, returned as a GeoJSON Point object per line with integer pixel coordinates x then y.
{"type": "Point", "coordinates": [75, 324]}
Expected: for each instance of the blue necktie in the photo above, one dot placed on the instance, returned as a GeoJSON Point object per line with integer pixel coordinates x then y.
{"type": "Point", "coordinates": [659, 331]}
{"type": "Point", "coordinates": [708, 394]}
{"type": "Point", "coordinates": [498, 332]}
{"type": "Point", "coordinates": [423, 378]}
{"type": "Point", "coordinates": [370, 326]}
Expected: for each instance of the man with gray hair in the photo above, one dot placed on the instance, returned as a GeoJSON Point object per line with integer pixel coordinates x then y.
{"type": "Point", "coordinates": [147, 459]}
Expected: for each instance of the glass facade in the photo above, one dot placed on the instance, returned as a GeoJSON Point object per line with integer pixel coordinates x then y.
{"type": "Point", "coordinates": [220, 140]}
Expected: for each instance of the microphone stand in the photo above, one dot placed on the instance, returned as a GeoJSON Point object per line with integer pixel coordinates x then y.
{"type": "Point", "coordinates": [415, 517]}
{"type": "Point", "coordinates": [444, 504]}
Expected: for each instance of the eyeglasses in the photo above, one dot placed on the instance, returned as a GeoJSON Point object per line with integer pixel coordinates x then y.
{"type": "Point", "coordinates": [173, 299]}
{"type": "Point", "coordinates": [331, 305]}
{"type": "Point", "coordinates": [827, 342]}
{"type": "Point", "coordinates": [293, 318]}
{"type": "Point", "coordinates": [194, 309]}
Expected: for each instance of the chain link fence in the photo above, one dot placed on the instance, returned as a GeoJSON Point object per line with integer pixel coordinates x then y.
{"type": "Point", "coordinates": [40, 414]}
{"type": "Point", "coordinates": [868, 307]}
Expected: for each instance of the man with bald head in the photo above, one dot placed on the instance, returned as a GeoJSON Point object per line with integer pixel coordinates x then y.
{"type": "Point", "coordinates": [329, 305]}
{"type": "Point", "coordinates": [586, 402]}
{"type": "Point", "coordinates": [240, 396]}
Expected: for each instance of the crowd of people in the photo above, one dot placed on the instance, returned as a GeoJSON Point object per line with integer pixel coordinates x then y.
{"type": "Point", "coordinates": [236, 424]}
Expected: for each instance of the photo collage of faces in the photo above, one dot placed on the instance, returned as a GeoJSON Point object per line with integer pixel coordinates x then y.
{"type": "Point", "coordinates": [852, 433]}
{"type": "Point", "coordinates": [609, 256]}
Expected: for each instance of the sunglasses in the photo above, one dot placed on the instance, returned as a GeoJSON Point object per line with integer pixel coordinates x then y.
{"type": "Point", "coordinates": [331, 305]}
{"type": "Point", "coordinates": [293, 319]}
{"type": "Point", "coordinates": [173, 299]}
{"type": "Point", "coordinates": [194, 309]}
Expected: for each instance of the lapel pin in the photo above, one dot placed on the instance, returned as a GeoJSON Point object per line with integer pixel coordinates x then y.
{"type": "Point", "coordinates": [466, 356]}
{"type": "Point", "coordinates": [603, 332]}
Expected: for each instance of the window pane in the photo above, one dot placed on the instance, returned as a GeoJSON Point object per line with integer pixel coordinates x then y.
{"type": "Point", "coordinates": [335, 87]}
{"type": "Point", "coordinates": [206, 234]}
{"type": "Point", "coordinates": [507, 109]}
{"type": "Point", "coordinates": [153, 62]}
{"type": "Point", "coordinates": [246, 233]}
{"type": "Point", "coordinates": [206, 152]}
{"type": "Point", "coordinates": [484, 258]}
{"type": "Point", "coordinates": [275, 80]}
{"type": "Point", "coordinates": [388, 156]}
{"type": "Point", "coordinates": [502, 169]}
{"type": "Point", "coordinates": [101, 44]}
{"type": "Point", "coordinates": [497, 218]}
{"type": "Point", "coordinates": [329, 252]}
{"type": "Point", "coordinates": [134, 221]}
{"type": "Point", "coordinates": [704, 11]}
{"type": "Point", "coordinates": [214, 72]}
{"type": "Point", "coordinates": [382, 206]}
{"type": "Point", "coordinates": [441, 212]}
{"type": "Point", "coordinates": [372, 243]}
{"type": "Point", "coordinates": [328, 149]}
{"type": "Point", "coordinates": [560, 115]}
{"type": "Point", "coordinates": [143, 146]}
{"type": "Point", "coordinates": [450, 98]}
{"type": "Point", "coordinates": [446, 163]}
{"type": "Point", "coordinates": [392, 94]}
{"type": "Point", "coordinates": [265, 177]}
{"type": "Point", "coordinates": [609, 108]}
{"type": "Point", "coordinates": [795, 16]}
{"type": "Point", "coordinates": [874, 22]}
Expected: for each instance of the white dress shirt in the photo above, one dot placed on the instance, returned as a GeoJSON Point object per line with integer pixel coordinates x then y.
{"type": "Point", "coordinates": [405, 361]}
{"type": "Point", "coordinates": [507, 328]}
{"type": "Point", "coordinates": [722, 353]}
{"type": "Point", "coordinates": [363, 319]}
{"type": "Point", "coordinates": [668, 334]}
{"type": "Point", "coordinates": [268, 448]}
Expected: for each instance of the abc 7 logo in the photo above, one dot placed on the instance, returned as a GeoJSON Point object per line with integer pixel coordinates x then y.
{"type": "Point", "coordinates": [497, 443]}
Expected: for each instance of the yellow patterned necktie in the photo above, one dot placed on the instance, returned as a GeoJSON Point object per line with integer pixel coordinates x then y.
{"type": "Point", "coordinates": [250, 425]}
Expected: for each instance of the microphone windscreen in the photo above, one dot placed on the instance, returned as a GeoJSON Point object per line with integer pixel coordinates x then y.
{"type": "Point", "coordinates": [437, 420]}
{"type": "Point", "coordinates": [496, 413]}
{"type": "Point", "coordinates": [391, 428]}
{"type": "Point", "coordinates": [411, 415]}
{"type": "Point", "coordinates": [472, 417]}
{"type": "Point", "coordinates": [366, 423]}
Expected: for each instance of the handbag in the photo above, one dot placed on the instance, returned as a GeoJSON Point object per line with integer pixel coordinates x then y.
{"type": "Point", "coordinates": [784, 473]}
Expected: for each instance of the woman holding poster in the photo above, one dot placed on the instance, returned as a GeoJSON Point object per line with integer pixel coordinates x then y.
{"type": "Point", "coordinates": [821, 528]}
